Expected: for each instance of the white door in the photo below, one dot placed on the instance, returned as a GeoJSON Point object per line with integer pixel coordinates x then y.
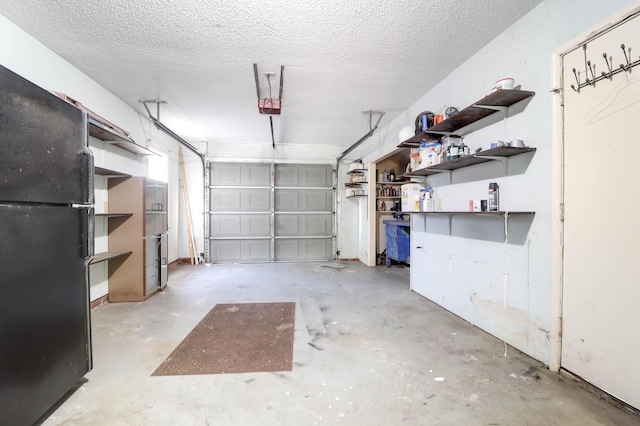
{"type": "Point", "coordinates": [601, 275]}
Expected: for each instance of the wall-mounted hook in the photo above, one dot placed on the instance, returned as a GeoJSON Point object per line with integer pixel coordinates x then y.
{"type": "Point", "coordinates": [577, 89]}
{"type": "Point", "coordinates": [606, 59]}
{"type": "Point", "coordinates": [586, 65]}
{"type": "Point", "coordinates": [593, 73]}
{"type": "Point", "coordinates": [628, 66]}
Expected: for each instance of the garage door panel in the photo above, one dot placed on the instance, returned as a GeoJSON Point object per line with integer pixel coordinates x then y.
{"type": "Point", "coordinates": [241, 175]}
{"type": "Point", "coordinates": [225, 200]}
{"type": "Point", "coordinates": [257, 200]}
{"type": "Point", "coordinates": [257, 225]}
{"type": "Point", "coordinates": [303, 249]}
{"type": "Point", "coordinates": [303, 225]}
{"type": "Point", "coordinates": [256, 250]}
{"type": "Point", "coordinates": [316, 249]}
{"type": "Point", "coordinates": [287, 175]}
{"type": "Point", "coordinates": [320, 176]}
{"type": "Point", "coordinates": [317, 224]}
{"type": "Point", "coordinates": [303, 200]}
{"type": "Point", "coordinates": [239, 200]}
{"type": "Point", "coordinates": [286, 250]}
{"type": "Point", "coordinates": [226, 225]}
{"type": "Point", "coordinates": [241, 250]}
{"type": "Point", "coordinates": [287, 200]}
{"type": "Point", "coordinates": [226, 175]}
{"type": "Point", "coordinates": [296, 175]}
{"type": "Point", "coordinates": [237, 225]}
{"type": "Point", "coordinates": [257, 175]}
{"type": "Point", "coordinates": [316, 200]}
{"type": "Point", "coordinates": [225, 250]}
{"type": "Point", "coordinates": [287, 224]}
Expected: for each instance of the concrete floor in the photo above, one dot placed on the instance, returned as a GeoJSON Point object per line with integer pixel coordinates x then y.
{"type": "Point", "coordinates": [367, 351]}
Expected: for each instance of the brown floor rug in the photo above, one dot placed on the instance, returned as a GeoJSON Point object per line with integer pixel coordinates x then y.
{"type": "Point", "coordinates": [236, 338]}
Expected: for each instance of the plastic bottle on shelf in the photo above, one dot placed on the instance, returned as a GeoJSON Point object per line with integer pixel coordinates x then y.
{"type": "Point", "coordinates": [494, 199]}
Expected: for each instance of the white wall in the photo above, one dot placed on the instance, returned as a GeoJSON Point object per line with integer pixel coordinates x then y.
{"type": "Point", "coordinates": [504, 289]}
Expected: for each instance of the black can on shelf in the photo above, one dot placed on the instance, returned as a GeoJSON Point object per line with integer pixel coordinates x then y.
{"type": "Point", "coordinates": [493, 197]}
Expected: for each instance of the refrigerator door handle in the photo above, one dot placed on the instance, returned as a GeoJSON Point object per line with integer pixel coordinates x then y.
{"type": "Point", "coordinates": [88, 221]}
{"type": "Point", "coordinates": [87, 170]}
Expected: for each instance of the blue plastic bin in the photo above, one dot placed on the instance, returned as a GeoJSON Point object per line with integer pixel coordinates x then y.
{"type": "Point", "coordinates": [398, 240]}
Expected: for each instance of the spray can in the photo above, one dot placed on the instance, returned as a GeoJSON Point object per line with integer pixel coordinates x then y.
{"type": "Point", "coordinates": [493, 197]}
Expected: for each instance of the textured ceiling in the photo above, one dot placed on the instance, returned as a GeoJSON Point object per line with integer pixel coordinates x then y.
{"type": "Point", "coordinates": [340, 57]}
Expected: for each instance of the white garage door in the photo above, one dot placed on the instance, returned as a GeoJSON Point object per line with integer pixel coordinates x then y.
{"type": "Point", "coordinates": [264, 212]}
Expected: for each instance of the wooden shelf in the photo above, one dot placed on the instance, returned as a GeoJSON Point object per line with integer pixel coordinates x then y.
{"type": "Point", "coordinates": [485, 107]}
{"type": "Point", "coordinates": [114, 214]}
{"type": "Point", "coordinates": [353, 184]}
{"type": "Point", "coordinates": [392, 183]}
{"type": "Point", "coordinates": [469, 160]}
{"type": "Point", "coordinates": [108, 173]}
{"type": "Point", "coordinates": [107, 255]}
{"type": "Point", "coordinates": [498, 213]}
{"type": "Point", "coordinates": [356, 196]}
{"type": "Point", "coordinates": [356, 171]}
{"type": "Point", "coordinates": [112, 136]}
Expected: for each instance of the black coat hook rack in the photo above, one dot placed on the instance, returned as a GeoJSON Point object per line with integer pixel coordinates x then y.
{"type": "Point", "coordinates": [590, 68]}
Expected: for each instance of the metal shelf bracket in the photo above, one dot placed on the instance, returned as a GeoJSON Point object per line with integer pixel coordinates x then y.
{"type": "Point", "coordinates": [503, 109]}
{"type": "Point", "coordinates": [504, 160]}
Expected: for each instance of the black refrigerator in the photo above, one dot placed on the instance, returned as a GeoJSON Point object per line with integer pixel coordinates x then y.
{"type": "Point", "coordinates": [46, 243]}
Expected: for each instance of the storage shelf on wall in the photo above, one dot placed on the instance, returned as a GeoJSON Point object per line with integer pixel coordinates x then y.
{"type": "Point", "coordinates": [108, 255]}
{"type": "Point", "coordinates": [356, 171]}
{"type": "Point", "coordinates": [493, 213]}
{"type": "Point", "coordinates": [490, 104]}
{"type": "Point", "coordinates": [109, 173]}
{"type": "Point", "coordinates": [114, 214]}
{"type": "Point", "coordinates": [354, 188]}
{"type": "Point", "coordinates": [111, 136]}
{"type": "Point", "coordinates": [469, 160]}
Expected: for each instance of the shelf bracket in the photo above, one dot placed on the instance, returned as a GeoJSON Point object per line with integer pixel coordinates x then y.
{"type": "Point", "coordinates": [504, 160]}
{"type": "Point", "coordinates": [449, 172]}
{"type": "Point", "coordinates": [506, 232]}
{"type": "Point", "coordinates": [502, 109]}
